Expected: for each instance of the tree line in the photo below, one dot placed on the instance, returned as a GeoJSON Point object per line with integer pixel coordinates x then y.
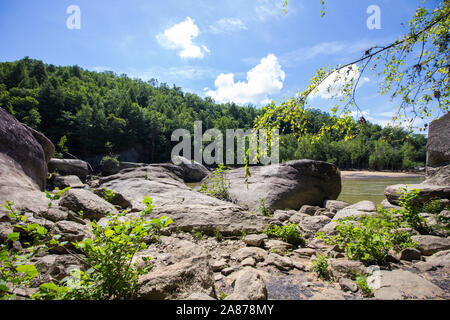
{"type": "Point", "coordinates": [92, 114]}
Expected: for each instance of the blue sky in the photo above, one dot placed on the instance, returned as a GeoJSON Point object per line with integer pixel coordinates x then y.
{"type": "Point", "coordinates": [245, 51]}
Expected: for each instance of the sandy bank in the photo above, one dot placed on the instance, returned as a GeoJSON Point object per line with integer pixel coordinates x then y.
{"type": "Point", "coordinates": [379, 175]}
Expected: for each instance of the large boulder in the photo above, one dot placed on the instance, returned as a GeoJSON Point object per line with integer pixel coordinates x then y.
{"type": "Point", "coordinates": [427, 192]}
{"type": "Point", "coordinates": [68, 167]}
{"type": "Point", "coordinates": [439, 176]}
{"type": "Point", "coordinates": [288, 185]}
{"type": "Point", "coordinates": [429, 245]}
{"type": "Point", "coordinates": [193, 171]}
{"type": "Point", "coordinates": [401, 285]}
{"type": "Point", "coordinates": [24, 153]}
{"type": "Point", "coordinates": [188, 209]}
{"type": "Point", "coordinates": [438, 146]}
{"type": "Point", "coordinates": [357, 210]}
{"type": "Point", "coordinates": [110, 167]}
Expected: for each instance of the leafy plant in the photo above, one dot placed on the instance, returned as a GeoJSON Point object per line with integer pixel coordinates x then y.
{"type": "Point", "coordinates": [262, 208]}
{"type": "Point", "coordinates": [108, 194]}
{"type": "Point", "coordinates": [56, 196]}
{"type": "Point", "coordinates": [219, 185]}
{"type": "Point", "coordinates": [410, 202]}
{"type": "Point", "coordinates": [320, 267]}
{"type": "Point", "coordinates": [198, 235]}
{"type": "Point", "coordinates": [287, 233]}
{"type": "Point", "coordinates": [361, 281]}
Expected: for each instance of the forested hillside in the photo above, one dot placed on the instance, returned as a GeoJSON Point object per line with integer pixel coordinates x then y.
{"type": "Point", "coordinates": [91, 114]}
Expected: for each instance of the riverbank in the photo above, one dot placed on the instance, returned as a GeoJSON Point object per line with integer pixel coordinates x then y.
{"type": "Point", "coordinates": [365, 174]}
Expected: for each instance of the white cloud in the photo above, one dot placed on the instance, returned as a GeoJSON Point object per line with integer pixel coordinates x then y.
{"type": "Point", "coordinates": [181, 36]}
{"type": "Point", "coordinates": [267, 9]}
{"type": "Point", "coordinates": [264, 79]}
{"type": "Point", "coordinates": [227, 25]}
{"type": "Point", "coordinates": [332, 86]}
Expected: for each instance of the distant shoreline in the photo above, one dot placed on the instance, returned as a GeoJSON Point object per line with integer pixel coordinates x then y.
{"type": "Point", "coordinates": [363, 174]}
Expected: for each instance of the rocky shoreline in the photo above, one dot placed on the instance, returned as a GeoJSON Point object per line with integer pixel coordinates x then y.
{"type": "Point", "coordinates": [217, 249]}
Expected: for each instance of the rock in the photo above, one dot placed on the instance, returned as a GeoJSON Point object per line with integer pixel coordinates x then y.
{"type": "Point", "coordinates": [311, 225]}
{"type": "Point", "coordinates": [58, 266]}
{"type": "Point", "coordinates": [201, 296]}
{"type": "Point", "coordinates": [444, 214]}
{"type": "Point", "coordinates": [438, 146]}
{"type": "Point", "coordinates": [401, 284]}
{"type": "Point", "coordinates": [282, 215]}
{"type": "Point", "coordinates": [178, 281]}
{"type": "Point", "coordinates": [54, 214]}
{"type": "Point", "coordinates": [188, 209]}
{"type": "Point", "coordinates": [281, 262]}
{"type": "Point", "coordinates": [71, 232]}
{"type": "Point", "coordinates": [438, 260]}
{"type": "Point", "coordinates": [93, 206]}
{"type": "Point", "coordinates": [288, 185]}
{"type": "Point", "coordinates": [439, 176]}
{"type": "Point", "coordinates": [410, 254]}
{"type": "Point", "coordinates": [298, 218]}
{"type": "Point", "coordinates": [192, 170]}
{"type": "Point", "coordinates": [256, 253]}
{"type": "Point", "coordinates": [335, 204]}
{"type": "Point", "coordinates": [305, 252]}
{"type": "Point", "coordinates": [309, 210]}
{"type": "Point", "coordinates": [117, 200]}
{"type": "Point", "coordinates": [341, 268]}
{"type": "Point", "coordinates": [357, 210]}
{"type": "Point", "coordinates": [329, 294]}
{"type": "Point", "coordinates": [24, 154]}
{"type": "Point", "coordinates": [110, 167]}
{"type": "Point", "coordinates": [248, 262]}
{"type": "Point", "coordinates": [229, 270]}
{"type": "Point", "coordinates": [348, 285]}
{"type": "Point", "coordinates": [219, 265]}
{"type": "Point", "coordinates": [429, 245]}
{"type": "Point", "coordinates": [255, 240]}
{"type": "Point", "coordinates": [68, 167]}
{"type": "Point", "coordinates": [386, 205]}
{"type": "Point", "coordinates": [63, 182]}
{"type": "Point", "coordinates": [278, 245]}
{"type": "Point", "coordinates": [249, 285]}
{"type": "Point", "coordinates": [427, 192]}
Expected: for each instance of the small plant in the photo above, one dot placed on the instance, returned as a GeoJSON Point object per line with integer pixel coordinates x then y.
{"type": "Point", "coordinates": [262, 208]}
{"type": "Point", "coordinates": [56, 196]}
{"type": "Point", "coordinates": [411, 205]}
{"type": "Point", "coordinates": [110, 156]}
{"type": "Point", "coordinates": [218, 235]}
{"type": "Point", "coordinates": [198, 235]}
{"type": "Point", "coordinates": [287, 233]}
{"type": "Point", "coordinates": [361, 281]}
{"type": "Point", "coordinates": [61, 147]}
{"type": "Point", "coordinates": [108, 194]}
{"type": "Point", "coordinates": [320, 267]}
{"type": "Point", "coordinates": [219, 185]}
{"type": "Point", "coordinates": [222, 295]}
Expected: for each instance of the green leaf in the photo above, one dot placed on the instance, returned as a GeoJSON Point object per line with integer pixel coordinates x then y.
{"type": "Point", "coordinates": [14, 236]}
{"type": "Point", "coordinates": [28, 269]}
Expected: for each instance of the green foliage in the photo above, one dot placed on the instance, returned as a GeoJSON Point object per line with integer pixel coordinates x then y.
{"type": "Point", "coordinates": [410, 202]}
{"type": "Point", "coordinates": [218, 187]}
{"type": "Point", "coordinates": [361, 281]}
{"type": "Point", "coordinates": [287, 233]}
{"type": "Point", "coordinates": [320, 267]}
{"type": "Point", "coordinates": [57, 194]}
{"type": "Point", "coordinates": [198, 235]}
{"type": "Point", "coordinates": [262, 208]}
{"type": "Point", "coordinates": [113, 272]}
{"type": "Point", "coordinates": [61, 147]}
{"type": "Point", "coordinates": [108, 194]}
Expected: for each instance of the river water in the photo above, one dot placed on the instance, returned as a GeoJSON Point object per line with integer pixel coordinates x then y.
{"type": "Point", "coordinates": [358, 189]}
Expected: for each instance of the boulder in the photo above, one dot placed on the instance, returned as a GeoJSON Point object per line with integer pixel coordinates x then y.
{"type": "Point", "coordinates": [438, 146]}
{"type": "Point", "coordinates": [401, 284]}
{"type": "Point", "coordinates": [311, 225]}
{"type": "Point", "coordinates": [110, 167]}
{"type": "Point", "coordinates": [178, 281]}
{"type": "Point", "coordinates": [439, 176]}
{"type": "Point", "coordinates": [410, 254]}
{"type": "Point", "coordinates": [427, 192]}
{"type": "Point", "coordinates": [192, 170]}
{"type": "Point", "coordinates": [255, 240]}
{"type": "Point", "coordinates": [256, 253]}
{"type": "Point", "coordinates": [62, 182]}
{"type": "Point", "coordinates": [438, 260]}
{"type": "Point", "coordinates": [357, 210]}
{"type": "Point", "coordinates": [24, 153]}
{"type": "Point", "coordinates": [288, 185]}
{"type": "Point", "coordinates": [67, 167]}
{"type": "Point", "coordinates": [335, 204]}
{"type": "Point", "coordinates": [281, 262]}
{"type": "Point", "coordinates": [92, 206]}
{"type": "Point", "coordinates": [249, 285]}
{"type": "Point", "coordinates": [341, 268]}
{"type": "Point", "coordinates": [309, 210]}
{"type": "Point", "coordinates": [429, 245]}
{"type": "Point", "coordinates": [188, 209]}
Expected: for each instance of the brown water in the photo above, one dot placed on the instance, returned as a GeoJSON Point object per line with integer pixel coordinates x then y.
{"type": "Point", "coordinates": [355, 190]}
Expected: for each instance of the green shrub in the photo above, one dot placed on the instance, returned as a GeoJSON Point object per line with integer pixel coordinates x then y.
{"type": "Point", "coordinates": [219, 185]}
{"type": "Point", "coordinates": [262, 208]}
{"type": "Point", "coordinates": [288, 234]}
{"type": "Point", "coordinates": [410, 202]}
{"type": "Point", "coordinates": [361, 281]}
{"type": "Point", "coordinates": [320, 267]}
{"type": "Point", "coordinates": [108, 194]}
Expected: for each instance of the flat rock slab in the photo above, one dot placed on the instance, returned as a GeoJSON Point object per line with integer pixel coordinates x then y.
{"type": "Point", "coordinates": [427, 192]}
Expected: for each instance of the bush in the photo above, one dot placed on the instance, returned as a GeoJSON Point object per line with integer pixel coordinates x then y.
{"type": "Point", "coordinates": [361, 281]}
{"type": "Point", "coordinates": [412, 206]}
{"type": "Point", "coordinates": [262, 208]}
{"type": "Point", "coordinates": [288, 234]}
{"type": "Point", "coordinates": [371, 238]}
{"type": "Point", "coordinates": [320, 267]}
{"type": "Point", "coordinates": [219, 185]}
